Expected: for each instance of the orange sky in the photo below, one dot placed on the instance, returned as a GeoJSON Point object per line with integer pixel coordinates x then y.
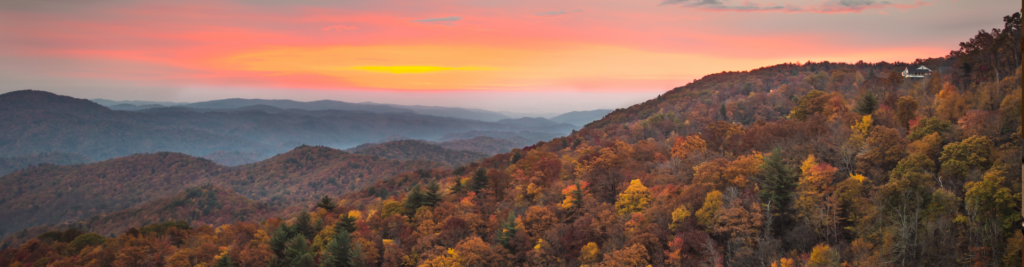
{"type": "Point", "coordinates": [485, 54]}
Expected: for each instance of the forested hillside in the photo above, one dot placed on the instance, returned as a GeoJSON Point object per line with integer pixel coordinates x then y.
{"type": "Point", "coordinates": [814, 164]}
{"type": "Point", "coordinates": [50, 194]}
{"type": "Point", "coordinates": [418, 150]}
{"type": "Point", "coordinates": [9, 165]}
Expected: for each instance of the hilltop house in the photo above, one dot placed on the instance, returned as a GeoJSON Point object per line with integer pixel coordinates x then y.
{"type": "Point", "coordinates": [919, 72]}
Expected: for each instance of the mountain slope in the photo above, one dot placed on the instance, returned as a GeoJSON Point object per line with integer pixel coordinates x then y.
{"type": "Point", "coordinates": [581, 118]}
{"type": "Point", "coordinates": [418, 150]}
{"type": "Point", "coordinates": [483, 144]}
{"type": "Point", "coordinates": [198, 205]}
{"type": "Point", "coordinates": [8, 165]}
{"type": "Point", "coordinates": [52, 194]}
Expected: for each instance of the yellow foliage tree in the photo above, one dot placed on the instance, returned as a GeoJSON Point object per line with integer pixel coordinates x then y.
{"type": "Point", "coordinates": [949, 104]}
{"type": "Point", "coordinates": [590, 254]}
{"type": "Point", "coordinates": [784, 262]}
{"type": "Point", "coordinates": [678, 216]}
{"type": "Point", "coordinates": [706, 214]}
{"type": "Point", "coordinates": [721, 172]}
{"type": "Point", "coordinates": [636, 198]}
{"type": "Point", "coordinates": [450, 260]}
{"type": "Point", "coordinates": [685, 146]}
{"type": "Point", "coordinates": [321, 240]}
{"type": "Point", "coordinates": [815, 202]}
{"type": "Point", "coordinates": [822, 255]}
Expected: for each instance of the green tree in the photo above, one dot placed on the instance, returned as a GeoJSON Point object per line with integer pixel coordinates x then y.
{"type": "Point", "coordinates": [279, 241]}
{"type": "Point", "coordinates": [86, 240]}
{"type": "Point", "coordinates": [432, 196]}
{"type": "Point", "coordinates": [224, 261]}
{"type": "Point", "coordinates": [304, 226]}
{"type": "Point", "coordinates": [778, 181]}
{"type": "Point", "coordinates": [296, 251]}
{"type": "Point", "coordinates": [413, 201]}
{"type": "Point", "coordinates": [327, 203]}
{"type": "Point", "coordinates": [507, 230]}
{"type": "Point", "coordinates": [479, 180]}
{"type": "Point", "coordinates": [928, 126]}
{"type": "Point", "coordinates": [338, 252]}
{"type": "Point", "coordinates": [867, 104]}
{"type": "Point", "coordinates": [961, 157]}
{"type": "Point", "coordinates": [345, 222]}
{"type": "Point", "coordinates": [516, 156]}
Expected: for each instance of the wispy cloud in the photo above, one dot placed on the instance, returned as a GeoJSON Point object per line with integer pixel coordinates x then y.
{"type": "Point", "coordinates": [830, 6]}
{"type": "Point", "coordinates": [558, 13]}
{"type": "Point", "coordinates": [443, 21]}
{"type": "Point", "coordinates": [338, 28]}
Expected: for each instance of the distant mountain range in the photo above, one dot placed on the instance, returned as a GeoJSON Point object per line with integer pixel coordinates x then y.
{"type": "Point", "coordinates": [235, 103]}
{"type": "Point", "coordinates": [40, 122]}
{"type": "Point", "coordinates": [577, 118]}
{"type": "Point", "coordinates": [581, 118]}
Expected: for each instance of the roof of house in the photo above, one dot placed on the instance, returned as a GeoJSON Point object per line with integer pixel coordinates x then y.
{"type": "Point", "coordinates": [919, 70]}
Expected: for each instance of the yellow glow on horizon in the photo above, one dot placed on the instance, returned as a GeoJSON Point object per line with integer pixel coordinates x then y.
{"type": "Point", "coordinates": [412, 69]}
{"type": "Point", "coordinates": [476, 67]}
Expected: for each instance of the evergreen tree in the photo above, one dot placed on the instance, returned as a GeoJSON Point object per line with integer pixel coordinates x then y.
{"type": "Point", "coordinates": [432, 196]}
{"type": "Point", "coordinates": [224, 261]}
{"type": "Point", "coordinates": [867, 104]}
{"type": "Point", "coordinates": [327, 203]}
{"type": "Point", "coordinates": [413, 201]}
{"type": "Point", "coordinates": [304, 227]}
{"type": "Point", "coordinates": [479, 180]}
{"type": "Point", "coordinates": [338, 252]}
{"type": "Point", "coordinates": [777, 184]}
{"type": "Point", "coordinates": [306, 260]}
{"type": "Point", "coordinates": [297, 249]}
{"type": "Point", "coordinates": [507, 230]}
{"type": "Point", "coordinates": [457, 187]}
{"type": "Point", "coordinates": [348, 223]}
{"type": "Point", "coordinates": [279, 240]}
{"type": "Point", "coordinates": [516, 156]}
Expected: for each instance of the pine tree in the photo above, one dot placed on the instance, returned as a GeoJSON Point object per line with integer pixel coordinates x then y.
{"type": "Point", "coordinates": [867, 104]}
{"type": "Point", "coordinates": [432, 196]}
{"type": "Point", "coordinates": [457, 187]}
{"type": "Point", "coordinates": [777, 184]}
{"type": "Point", "coordinates": [303, 225]}
{"type": "Point", "coordinates": [348, 223]}
{"type": "Point", "coordinates": [306, 260]}
{"type": "Point", "coordinates": [297, 249]}
{"type": "Point", "coordinates": [413, 201]}
{"type": "Point", "coordinates": [479, 180]}
{"type": "Point", "coordinates": [507, 230]}
{"type": "Point", "coordinates": [224, 261]}
{"type": "Point", "coordinates": [327, 203]}
{"type": "Point", "coordinates": [338, 252]}
{"type": "Point", "coordinates": [279, 240]}
{"type": "Point", "coordinates": [516, 156]}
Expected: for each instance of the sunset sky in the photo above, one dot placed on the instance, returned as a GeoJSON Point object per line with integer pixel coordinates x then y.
{"type": "Point", "coordinates": [525, 56]}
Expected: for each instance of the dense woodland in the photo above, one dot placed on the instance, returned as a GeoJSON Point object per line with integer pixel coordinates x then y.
{"type": "Point", "coordinates": [51, 194]}
{"type": "Point", "coordinates": [419, 150]}
{"type": "Point", "coordinates": [814, 164]}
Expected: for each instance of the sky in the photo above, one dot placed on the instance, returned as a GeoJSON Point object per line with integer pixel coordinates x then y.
{"type": "Point", "coordinates": [526, 56]}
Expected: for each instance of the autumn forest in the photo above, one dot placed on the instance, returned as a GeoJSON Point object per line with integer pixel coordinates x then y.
{"type": "Point", "coordinates": [796, 164]}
